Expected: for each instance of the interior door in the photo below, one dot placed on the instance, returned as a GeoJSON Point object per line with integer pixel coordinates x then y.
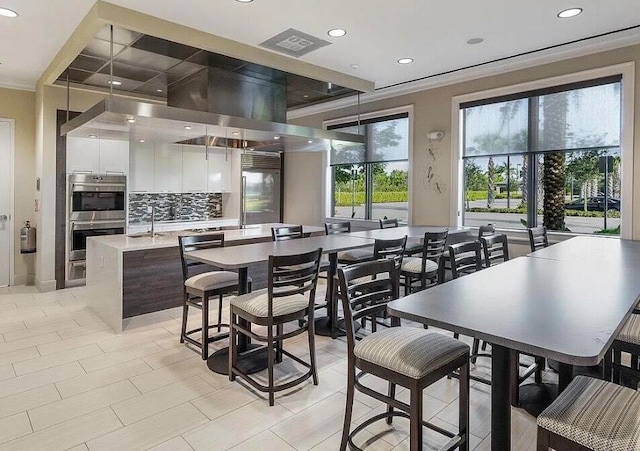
{"type": "Point", "coordinates": [260, 196]}
{"type": "Point", "coordinates": [6, 130]}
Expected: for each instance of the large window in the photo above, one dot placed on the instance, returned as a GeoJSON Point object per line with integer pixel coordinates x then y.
{"type": "Point", "coordinates": [548, 157]}
{"type": "Point", "coordinates": [370, 181]}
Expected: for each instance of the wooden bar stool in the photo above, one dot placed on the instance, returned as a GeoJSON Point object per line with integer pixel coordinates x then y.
{"type": "Point", "coordinates": [289, 298]}
{"type": "Point", "coordinates": [200, 287]}
{"type": "Point", "coordinates": [591, 414]}
{"type": "Point", "coordinates": [410, 357]}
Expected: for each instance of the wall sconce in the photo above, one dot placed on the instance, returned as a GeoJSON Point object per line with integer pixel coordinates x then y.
{"type": "Point", "coordinates": [435, 135]}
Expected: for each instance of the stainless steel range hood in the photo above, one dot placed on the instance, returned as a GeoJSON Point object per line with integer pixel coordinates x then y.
{"type": "Point", "coordinates": [129, 120]}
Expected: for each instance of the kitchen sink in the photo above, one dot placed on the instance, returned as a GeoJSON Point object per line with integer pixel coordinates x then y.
{"type": "Point", "coordinates": [145, 235]}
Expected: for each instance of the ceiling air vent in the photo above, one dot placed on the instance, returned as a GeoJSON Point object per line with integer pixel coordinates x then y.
{"type": "Point", "coordinates": [294, 43]}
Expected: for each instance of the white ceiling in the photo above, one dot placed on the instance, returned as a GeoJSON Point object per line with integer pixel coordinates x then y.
{"type": "Point", "coordinates": [379, 32]}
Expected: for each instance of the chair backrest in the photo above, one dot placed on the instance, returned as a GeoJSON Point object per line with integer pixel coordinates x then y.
{"type": "Point", "coordinates": [388, 223]}
{"type": "Point", "coordinates": [368, 296]}
{"type": "Point", "coordinates": [496, 249]}
{"type": "Point", "coordinates": [287, 233]}
{"type": "Point", "coordinates": [390, 249]}
{"type": "Point", "coordinates": [291, 275]}
{"type": "Point", "coordinates": [195, 243]}
{"type": "Point", "coordinates": [334, 228]}
{"type": "Point", "coordinates": [538, 238]}
{"type": "Point", "coordinates": [486, 230]}
{"type": "Point", "coordinates": [465, 258]}
{"type": "Point", "coordinates": [433, 247]}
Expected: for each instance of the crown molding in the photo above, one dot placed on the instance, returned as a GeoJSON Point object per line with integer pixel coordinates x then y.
{"type": "Point", "coordinates": [563, 52]}
{"type": "Point", "coordinates": [20, 85]}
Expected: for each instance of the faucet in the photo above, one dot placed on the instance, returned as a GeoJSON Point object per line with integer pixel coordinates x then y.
{"type": "Point", "coordinates": [153, 220]}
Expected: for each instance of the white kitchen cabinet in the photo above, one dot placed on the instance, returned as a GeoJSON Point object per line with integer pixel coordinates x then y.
{"type": "Point", "coordinates": [168, 168]}
{"type": "Point", "coordinates": [194, 169]}
{"type": "Point", "coordinates": [98, 156]}
{"type": "Point", "coordinates": [114, 156]}
{"type": "Point", "coordinates": [219, 171]}
{"type": "Point", "coordinates": [83, 155]}
{"type": "Point", "coordinates": [142, 163]}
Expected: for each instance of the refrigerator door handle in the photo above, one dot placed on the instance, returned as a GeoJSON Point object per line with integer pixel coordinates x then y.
{"type": "Point", "coordinates": [244, 200]}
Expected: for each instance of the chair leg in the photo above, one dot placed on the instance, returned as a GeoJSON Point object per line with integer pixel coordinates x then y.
{"type": "Point", "coordinates": [474, 349]}
{"type": "Point", "coordinates": [311, 331]}
{"type": "Point", "coordinates": [607, 366]}
{"type": "Point", "coordinates": [415, 420]}
{"type": "Point", "coordinates": [219, 312]}
{"type": "Point", "coordinates": [204, 339]}
{"type": "Point", "coordinates": [233, 339]}
{"type": "Point", "coordinates": [271, 358]}
{"type": "Point", "coordinates": [279, 343]}
{"type": "Point", "coordinates": [392, 394]}
{"type": "Point", "coordinates": [185, 316]}
{"type": "Point", "coordinates": [617, 357]}
{"type": "Point", "coordinates": [543, 440]}
{"type": "Point", "coordinates": [348, 409]}
{"type": "Point", "coordinates": [541, 362]}
{"type": "Point", "coordinates": [463, 407]}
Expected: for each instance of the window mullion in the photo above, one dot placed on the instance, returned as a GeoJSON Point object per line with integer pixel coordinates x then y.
{"type": "Point", "coordinates": [532, 166]}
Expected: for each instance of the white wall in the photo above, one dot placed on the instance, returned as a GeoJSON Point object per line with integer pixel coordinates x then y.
{"type": "Point", "coordinates": [303, 187]}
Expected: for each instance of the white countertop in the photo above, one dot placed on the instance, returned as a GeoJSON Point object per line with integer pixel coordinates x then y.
{"type": "Point", "coordinates": [172, 226]}
{"type": "Point", "coordinates": [169, 239]}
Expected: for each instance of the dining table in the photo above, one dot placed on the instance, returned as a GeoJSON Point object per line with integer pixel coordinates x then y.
{"type": "Point", "coordinates": [408, 231]}
{"type": "Point", "coordinates": [239, 258]}
{"type": "Point", "coordinates": [566, 310]}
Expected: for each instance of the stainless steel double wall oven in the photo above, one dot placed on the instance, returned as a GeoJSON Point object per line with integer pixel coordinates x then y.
{"type": "Point", "coordinates": [97, 205]}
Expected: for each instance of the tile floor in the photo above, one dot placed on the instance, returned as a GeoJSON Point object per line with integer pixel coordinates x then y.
{"type": "Point", "coordinates": [68, 382]}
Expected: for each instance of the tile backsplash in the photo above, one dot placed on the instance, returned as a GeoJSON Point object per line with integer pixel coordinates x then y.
{"type": "Point", "coordinates": [175, 206]}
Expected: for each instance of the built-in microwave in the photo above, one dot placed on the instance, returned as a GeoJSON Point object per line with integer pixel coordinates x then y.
{"type": "Point", "coordinates": [97, 197]}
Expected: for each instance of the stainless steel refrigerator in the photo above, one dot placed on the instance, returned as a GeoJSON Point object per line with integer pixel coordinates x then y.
{"type": "Point", "coordinates": [261, 188]}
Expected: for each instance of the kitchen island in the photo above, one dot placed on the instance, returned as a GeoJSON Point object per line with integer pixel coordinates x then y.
{"type": "Point", "coordinates": [133, 275]}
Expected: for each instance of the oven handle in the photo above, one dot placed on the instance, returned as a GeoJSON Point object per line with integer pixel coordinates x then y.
{"type": "Point", "coordinates": [96, 225]}
{"type": "Point", "coordinates": [117, 187]}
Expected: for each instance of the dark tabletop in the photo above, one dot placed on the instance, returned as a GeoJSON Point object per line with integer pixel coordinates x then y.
{"type": "Point", "coordinates": [410, 231]}
{"type": "Point", "coordinates": [564, 310]}
{"type": "Point", "coordinates": [600, 250]}
{"type": "Point", "coordinates": [234, 257]}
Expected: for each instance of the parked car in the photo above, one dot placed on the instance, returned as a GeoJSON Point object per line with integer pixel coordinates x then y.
{"type": "Point", "coordinates": [593, 204]}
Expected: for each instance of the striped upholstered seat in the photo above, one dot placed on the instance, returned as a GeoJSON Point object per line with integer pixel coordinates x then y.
{"type": "Point", "coordinates": [408, 351]}
{"type": "Point", "coordinates": [596, 414]}
{"type": "Point", "coordinates": [356, 255]}
{"type": "Point", "coordinates": [257, 304]}
{"type": "Point", "coordinates": [414, 265]}
{"type": "Point", "coordinates": [630, 332]}
{"type": "Point", "coordinates": [212, 280]}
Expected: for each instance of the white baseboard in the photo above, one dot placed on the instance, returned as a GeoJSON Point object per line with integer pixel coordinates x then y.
{"type": "Point", "coordinates": [23, 279]}
{"type": "Point", "coordinates": [45, 285]}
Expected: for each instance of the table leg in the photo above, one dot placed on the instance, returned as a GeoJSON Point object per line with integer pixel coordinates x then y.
{"type": "Point", "coordinates": [218, 362]}
{"type": "Point", "coordinates": [565, 375]}
{"type": "Point", "coordinates": [329, 326]}
{"type": "Point", "coordinates": [500, 399]}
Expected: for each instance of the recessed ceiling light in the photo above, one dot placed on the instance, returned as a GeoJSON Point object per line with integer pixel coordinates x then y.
{"type": "Point", "coordinates": [244, 1]}
{"type": "Point", "coordinates": [473, 41]}
{"type": "Point", "coordinates": [405, 61]}
{"type": "Point", "coordinates": [276, 137]}
{"type": "Point", "coordinates": [114, 82]}
{"type": "Point", "coordinates": [187, 127]}
{"type": "Point", "coordinates": [93, 136]}
{"type": "Point", "coordinates": [337, 32]}
{"type": "Point", "coordinates": [131, 120]}
{"type": "Point", "coordinates": [141, 140]}
{"type": "Point", "coordinates": [8, 13]}
{"type": "Point", "coordinates": [235, 133]}
{"type": "Point", "coordinates": [571, 12]}
{"type": "Point", "coordinates": [310, 141]}
{"type": "Point", "coordinates": [158, 90]}
{"type": "Point", "coordinates": [355, 66]}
